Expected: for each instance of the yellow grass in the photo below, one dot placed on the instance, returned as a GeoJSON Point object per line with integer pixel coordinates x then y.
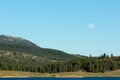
{"type": "Point", "coordinates": [115, 73]}
{"type": "Point", "coordinates": [78, 74]}
{"type": "Point", "coordinates": [19, 74]}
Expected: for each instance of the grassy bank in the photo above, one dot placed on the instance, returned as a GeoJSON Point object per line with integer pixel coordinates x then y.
{"type": "Point", "coordinates": [4, 74]}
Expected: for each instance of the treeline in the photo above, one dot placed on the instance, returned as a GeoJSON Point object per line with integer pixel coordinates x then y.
{"type": "Point", "coordinates": [89, 64]}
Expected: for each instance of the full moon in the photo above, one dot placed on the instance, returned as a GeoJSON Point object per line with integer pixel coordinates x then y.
{"type": "Point", "coordinates": [91, 25]}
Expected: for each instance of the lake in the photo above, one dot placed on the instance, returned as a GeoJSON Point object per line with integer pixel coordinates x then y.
{"type": "Point", "coordinates": [88, 78]}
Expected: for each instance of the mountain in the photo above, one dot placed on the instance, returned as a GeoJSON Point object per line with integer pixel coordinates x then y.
{"type": "Point", "coordinates": [19, 45]}
{"type": "Point", "coordinates": [19, 54]}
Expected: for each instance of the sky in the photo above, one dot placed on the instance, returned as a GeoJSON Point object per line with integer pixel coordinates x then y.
{"type": "Point", "coordinates": [75, 26]}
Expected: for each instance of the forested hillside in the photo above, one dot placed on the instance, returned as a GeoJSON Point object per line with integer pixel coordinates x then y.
{"type": "Point", "coordinates": [20, 45]}
{"type": "Point", "coordinates": [22, 55]}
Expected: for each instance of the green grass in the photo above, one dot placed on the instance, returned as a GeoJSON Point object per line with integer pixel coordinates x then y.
{"type": "Point", "coordinates": [79, 74]}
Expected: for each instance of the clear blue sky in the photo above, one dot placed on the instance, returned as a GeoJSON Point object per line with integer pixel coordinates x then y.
{"type": "Point", "coordinates": [76, 26]}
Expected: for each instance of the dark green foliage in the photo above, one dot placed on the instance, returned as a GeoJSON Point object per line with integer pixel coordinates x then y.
{"type": "Point", "coordinates": [87, 64]}
{"type": "Point", "coordinates": [92, 64]}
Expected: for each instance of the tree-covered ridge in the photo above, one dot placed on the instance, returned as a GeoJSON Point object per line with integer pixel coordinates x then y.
{"type": "Point", "coordinates": [16, 44]}
{"type": "Point", "coordinates": [22, 55]}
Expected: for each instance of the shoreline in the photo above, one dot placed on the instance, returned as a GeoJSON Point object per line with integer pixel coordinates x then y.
{"type": "Point", "coordinates": [60, 77]}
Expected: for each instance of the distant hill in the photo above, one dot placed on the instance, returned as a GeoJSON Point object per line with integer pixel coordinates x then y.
{"type": "Point", "coordinates": [22, 55]}
{"type": "Point", "coordinates": [19, 46]}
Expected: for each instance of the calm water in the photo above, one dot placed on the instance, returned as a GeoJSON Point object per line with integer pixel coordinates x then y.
{"type": "Point", "coordinates": [60, 78]}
